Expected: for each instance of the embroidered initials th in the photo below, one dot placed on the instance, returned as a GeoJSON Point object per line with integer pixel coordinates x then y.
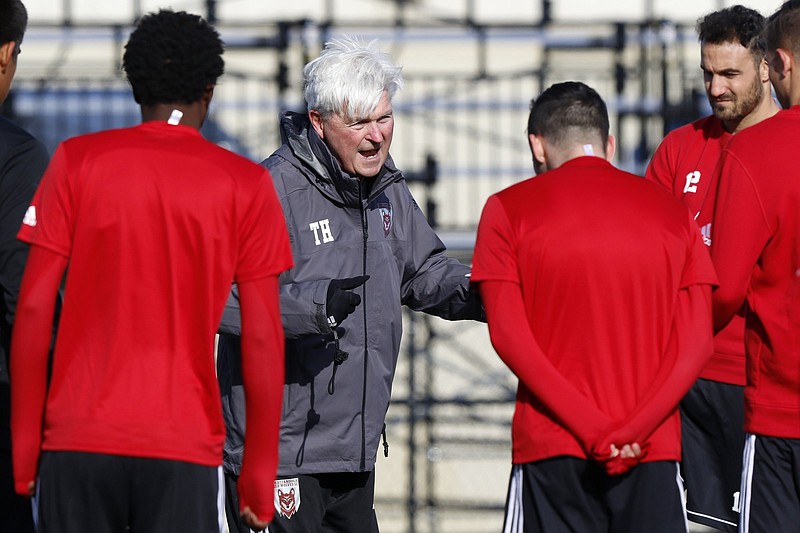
{"type": "Point", "coordinates": [322, 227]}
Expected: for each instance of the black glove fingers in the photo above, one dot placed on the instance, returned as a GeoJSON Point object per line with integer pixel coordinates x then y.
{"type": "Point", "coordinates": [351, 283]}
{"type": "Point", "coordinates": [340, 301]}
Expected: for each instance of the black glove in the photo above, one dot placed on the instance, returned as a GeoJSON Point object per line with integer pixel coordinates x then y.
{"type": "Point", "coordinates": [340, 300]}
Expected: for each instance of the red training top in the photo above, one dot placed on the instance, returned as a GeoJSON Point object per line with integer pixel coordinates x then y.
{"type": "Point", "coordinates": [600, 257]}
{"type": "Point", "coordinates": [684, 164]}
{"type": "Point", "coordinates": [757, 238]}
{"type": "Point", "coordinates": [157, 223]}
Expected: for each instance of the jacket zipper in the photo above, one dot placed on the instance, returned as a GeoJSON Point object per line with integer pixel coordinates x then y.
{"type": "Point", "coordinates": [365, 235]}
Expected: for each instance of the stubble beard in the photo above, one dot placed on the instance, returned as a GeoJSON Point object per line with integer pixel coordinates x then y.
{"type": "Point", "coordinates": [741, 106]}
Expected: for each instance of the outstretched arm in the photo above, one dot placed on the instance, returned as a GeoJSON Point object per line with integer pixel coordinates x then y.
{"type": "Point", "coordinates": [30, 348]}
{"type": "Point", "coordinates": [433, 282]}
{"type": "Point", "coordinates": [263, 376]}
{"type": "Point", "coordinates": [515, 344]}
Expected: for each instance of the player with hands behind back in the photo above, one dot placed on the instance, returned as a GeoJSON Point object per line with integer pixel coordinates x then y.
{"type": "Point", "coordinates": [597, 288]}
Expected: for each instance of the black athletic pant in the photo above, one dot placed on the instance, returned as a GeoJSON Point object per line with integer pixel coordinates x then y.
{"type": "Point", "coordinates": [98, 493]}
{"type": "Point", "coordinates": [329, 503]}
{"type": "Point", "coordinates": [569, 495]}
{"type": "Point", "coordinates": [712, 428]}
{"type": "Point", "coordinates": [16, 513]}
{"type": "Point", "coordinates": [770, 499]}
{"type": "Point", "coordinates": [235, 524]}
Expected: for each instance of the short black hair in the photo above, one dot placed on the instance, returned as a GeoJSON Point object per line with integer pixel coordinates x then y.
{"type": "Point", "coordinates": [735, 24]}
{"type": "Point", "coordinates": [567, 108]}
{"type": "Point", "coordinates": [783, 26]}
{"type": "Point", "coordinates": [172, 57]}
{"type": "Point", "coordinates": [13, 22]}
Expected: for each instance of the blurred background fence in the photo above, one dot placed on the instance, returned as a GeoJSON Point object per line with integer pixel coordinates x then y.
{"type": "Point", "coordinates": [471, 68]}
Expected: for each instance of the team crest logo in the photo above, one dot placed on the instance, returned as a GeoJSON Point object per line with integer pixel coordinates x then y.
{"type": "Point", "coordinates": [386, 216]}
{"type": "Point", "coordinates": [287, 496]}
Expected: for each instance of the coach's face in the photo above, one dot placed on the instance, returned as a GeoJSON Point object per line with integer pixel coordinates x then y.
{"type": "Point", "coordinates": [361, 145]}
{"type": "Point", "coordinates": [732, 80]}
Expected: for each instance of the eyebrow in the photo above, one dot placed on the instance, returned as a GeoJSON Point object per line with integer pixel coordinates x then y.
{"type": "Point", "coordinates": [727, 71]}
{"type": "Point", "coordinates": [388, 113]}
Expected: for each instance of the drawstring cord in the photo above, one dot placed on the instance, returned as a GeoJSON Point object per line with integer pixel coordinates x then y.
{"type": "Point", "coordinates": [340, 357]}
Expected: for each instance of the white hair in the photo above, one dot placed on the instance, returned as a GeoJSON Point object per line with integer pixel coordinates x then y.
{"type": "Point", "coordinates": [349, 78]}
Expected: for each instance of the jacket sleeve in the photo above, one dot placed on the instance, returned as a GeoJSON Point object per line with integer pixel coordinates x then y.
{"type": "Point", "coordinates": [435, 283]}
{"type": "Point", "coordinates": [231, 323]}
{"type": "Point", "coordinates": [302, 310]}
{"type": "Point", "coordinates": [21, 171]}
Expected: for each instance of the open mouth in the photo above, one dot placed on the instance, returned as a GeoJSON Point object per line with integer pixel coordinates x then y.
{"type": "Point", "coordinates": [369, 153]}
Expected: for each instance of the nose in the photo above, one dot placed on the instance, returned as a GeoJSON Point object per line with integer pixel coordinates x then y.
{"type": "Point", "coordinates": [717, 86]}
{"type": "Point", "coordinates": [374, 132]}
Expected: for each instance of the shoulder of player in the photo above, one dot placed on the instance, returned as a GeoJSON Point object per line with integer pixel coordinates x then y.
{"type": "Point", "coordinates": [14, 138]}
{"type": "Point", "coordinates": [781, 126]}
{"type": "Point", "coordinates": [703, 127]}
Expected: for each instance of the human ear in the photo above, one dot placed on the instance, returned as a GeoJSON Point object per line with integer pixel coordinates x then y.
{"type": "Point", "coordinates": [7, 54]}
{"type": "Point", "coordinates": [316, 122]}
{"type": "Point", "coordinates": [763, 70]}
{"type": "Point", "coordinates": [785, 61]}
{"type": "Point", "coordinates": [611, 147]}
{"type": "Point", "coordinates": [537, 148]}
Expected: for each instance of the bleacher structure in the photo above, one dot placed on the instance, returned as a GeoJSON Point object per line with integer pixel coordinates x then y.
{"type": "Point", "coordinates": [460, 134]}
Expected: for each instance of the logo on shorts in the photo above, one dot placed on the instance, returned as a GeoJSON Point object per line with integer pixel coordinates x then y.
{"type": "Point", "coordinates": [287, 496]}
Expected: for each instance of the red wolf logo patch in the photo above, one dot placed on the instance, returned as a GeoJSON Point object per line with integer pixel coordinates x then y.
{"type": "Point", "coordinates": [287, 496]}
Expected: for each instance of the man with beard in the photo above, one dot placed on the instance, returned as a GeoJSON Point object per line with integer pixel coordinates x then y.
{"type": "Point", "coordinates": [737, 84]}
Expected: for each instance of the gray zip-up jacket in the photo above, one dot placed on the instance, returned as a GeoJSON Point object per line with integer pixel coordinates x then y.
{"type": "Point", "coordinates": [340, 227]}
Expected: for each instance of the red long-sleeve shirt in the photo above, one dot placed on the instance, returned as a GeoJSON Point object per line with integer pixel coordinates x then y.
{"type": "Point", "coordinates": [757, 239]}
{"type": "Point", "coordinates": [598, 258]}
{"type": "Point", "coordinates": [154, 224]}
{"type": "Point", "coordinates": [684, 164]}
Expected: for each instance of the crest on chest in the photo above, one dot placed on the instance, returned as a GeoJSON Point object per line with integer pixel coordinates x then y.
{"type": "Point", "coordinates": [385, 209]}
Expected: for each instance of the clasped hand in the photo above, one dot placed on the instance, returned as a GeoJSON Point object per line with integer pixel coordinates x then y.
{"type": "Point", "coordinates": [618, 459]}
